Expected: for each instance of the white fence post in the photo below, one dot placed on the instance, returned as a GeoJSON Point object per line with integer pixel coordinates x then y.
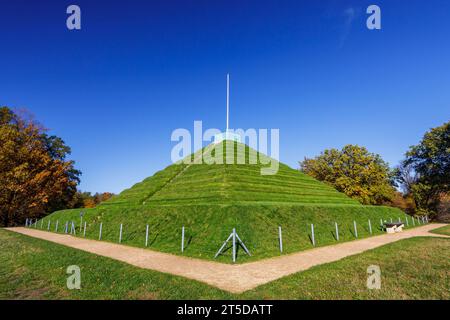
{"type": "Point", "coordinates": [84, 231]}
{"type": "Point", "coordinates": [337, 230]}
{"type": "Point", "coordinates": [182, 239]}
{"type": "Point", "coordinates": [313, 239]}
{"type": "Point", "coordinates": [356, 230]}
{"type": "Point", "coordinates": [120, 234]}
{"type": "Point", "coordinates": [146, 236]}
{"type": "Point", "coordinates": [100, 231]}
{"type": "Point", "coordinates": [280, 238]}
{"type": "Point", "coordinates": [234, 245]}
{"type": "Point", "coordinates": [370, 227]}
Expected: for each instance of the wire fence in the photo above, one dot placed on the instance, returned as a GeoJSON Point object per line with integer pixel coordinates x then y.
{"type": "Point", "coordinates": [143, 237]}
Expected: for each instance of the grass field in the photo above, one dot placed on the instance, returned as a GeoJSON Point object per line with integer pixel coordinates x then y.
{"type": "Point", "coordinates": [211, 200]}
{"type": "Point", "coordinates": [416, 268]}
{"type": "Point", "coordinates": [443, 230]}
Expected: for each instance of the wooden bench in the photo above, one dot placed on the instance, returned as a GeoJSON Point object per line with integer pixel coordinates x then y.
{"type": "Point", "coordinates": [393, 227]}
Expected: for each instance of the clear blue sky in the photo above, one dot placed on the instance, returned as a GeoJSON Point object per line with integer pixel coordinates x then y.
{"type": "Point", "coordinates": [137, 70]}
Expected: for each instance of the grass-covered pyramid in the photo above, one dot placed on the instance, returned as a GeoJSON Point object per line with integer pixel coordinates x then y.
{"type": "Point", "coordinates": [212, 199]}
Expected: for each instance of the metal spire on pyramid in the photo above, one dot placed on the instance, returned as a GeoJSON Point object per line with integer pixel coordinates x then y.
{"type": "Point", "coordinates": [227, 135]}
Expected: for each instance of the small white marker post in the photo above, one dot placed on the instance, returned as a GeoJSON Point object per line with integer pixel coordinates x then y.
{"type": "Point", "coordinates": [146, 236]}
{"type": "Point", "coordinates": [35, 223]}
{"type": "Point", "coordinates": [337, 231]}
{"type": "Point", "coordinates": [356, 230]}
{"type": "Point", "coordinates": [280, 239]}
{"type": "Point", "coordinates": [84, 231]}
{"type": "Point", "coordinates": [234, 245]}
{"type": "Point", "coordinates": [414, 222]}
{"type": "Point", "coordinates": [26, 222]}
{"type": "Point", "coordinates": [120, 234]}
{"type": "Point", "coordinates": [370, 227]}
{"type": "Point", "coordinates": [399, 220]}
{"type": "Point", "coordinates": [67, 225]}
{"type": "Point", "coordinates": [182, 239]}
{"type": "Point", "coordinates": [407, 222]}
{"type": "Point", "coordinates": [100, 231]}
{"type": "Point", "coordinates": [56, 227]}
{"type": "Point", "coordinates": [391, 220]}
{"type": "Point", "coordinates": [48, 224]}
{"type": "Point", "coordinates": [42, 223]}
{"type": "Point", "coordinates": [312, 235]}
{"type": "Point", "coordinates": [381, 222]}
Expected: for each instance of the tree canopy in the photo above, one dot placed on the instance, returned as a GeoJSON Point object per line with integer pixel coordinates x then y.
{"type": "Point", "coordinates": [425, 172]}
{"type": "Point", "coordinates": [354, 171]}
{"type": "Point", "coordinates": [35, 176]}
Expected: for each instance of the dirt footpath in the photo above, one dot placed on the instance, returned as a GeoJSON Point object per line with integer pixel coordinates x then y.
{"type": "Point", "coordinates": [232, 278]}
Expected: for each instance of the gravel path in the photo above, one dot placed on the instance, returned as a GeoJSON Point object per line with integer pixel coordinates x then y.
{"type": "Point", "coordinates": [232, 278]}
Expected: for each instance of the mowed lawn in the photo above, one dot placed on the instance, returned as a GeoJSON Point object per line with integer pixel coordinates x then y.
{"type": "Point", "coordinates": [417, 268]}
{"type": "Point", "coordinates": [443, 230]}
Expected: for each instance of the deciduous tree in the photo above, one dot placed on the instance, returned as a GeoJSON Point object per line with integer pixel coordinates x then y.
{"type": "Point", "coordinates": [430, 163]}
{"type": "Point", "coordinates": [35, 176]}
{"type": "Point", "coordinates": [354, 171]}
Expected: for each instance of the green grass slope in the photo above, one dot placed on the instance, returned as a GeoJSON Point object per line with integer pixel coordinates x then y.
{"type": "Point", "coordinates": [203, 183]}
{"type": "Point", "coordinates": [416, 268]}
{"type": "Point", "coordinates": [211, 200]}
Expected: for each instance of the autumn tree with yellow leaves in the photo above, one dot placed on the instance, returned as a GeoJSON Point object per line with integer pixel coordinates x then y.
{"type": "Point", "coordinates": [35, 177]}
{"type": "Point", "coordinates": [354, 171]}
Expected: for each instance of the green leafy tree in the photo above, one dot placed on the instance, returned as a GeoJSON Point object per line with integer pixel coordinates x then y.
{"type": "Point", "coordinates": [430, 163]}
{"type": "Point", "coordinates": [354, 171]}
